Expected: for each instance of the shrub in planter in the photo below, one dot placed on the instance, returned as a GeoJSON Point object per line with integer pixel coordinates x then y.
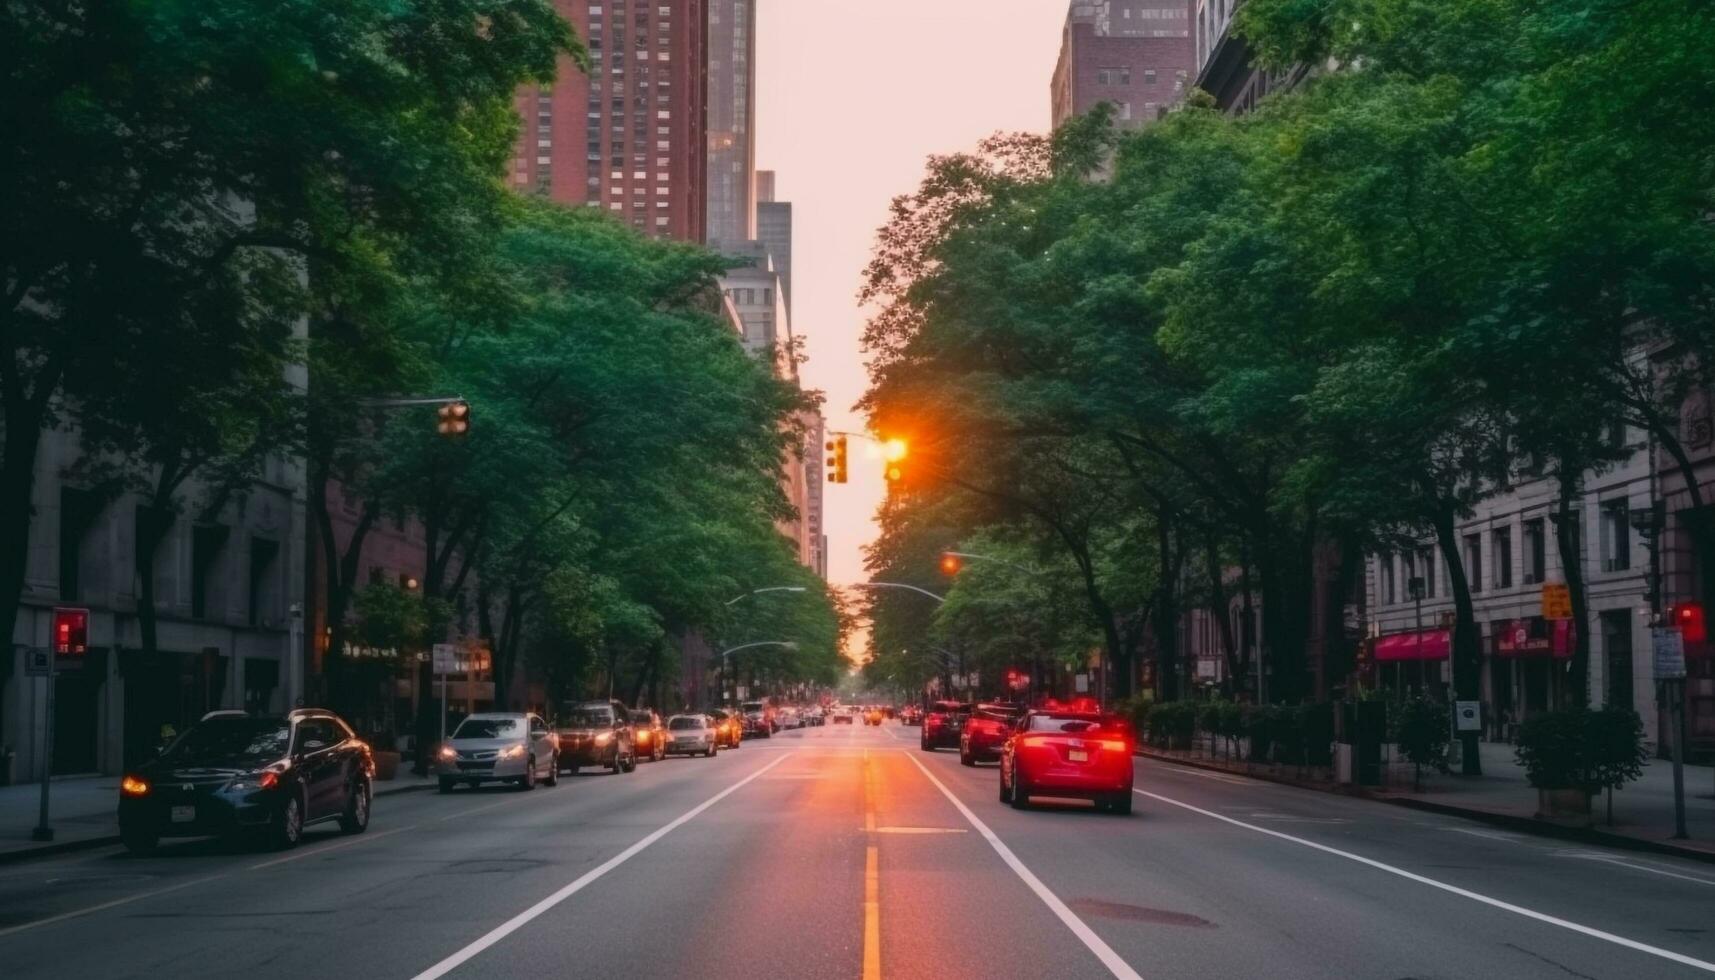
{"type": "Point", "coordinates": [1209, 720]}
{"type": "Point", "coordinates": [1569, 755]}
{"type": "Point", "coordinates": [1616, 740]}
{"type": "Point", "coordinates": [1172, 723]}
{"type": "Point", "coordinates": [1232, 723]}
{"type": "Point", "coordinates": [1288, 736]}
{"type": "Point", "coordinates": [1422, 728]}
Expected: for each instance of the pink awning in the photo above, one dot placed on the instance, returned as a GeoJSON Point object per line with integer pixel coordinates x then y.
{"type": "Point", "coordinates": [1427, 645]}
{"type": "Point", "coordinates": [1535, 638]}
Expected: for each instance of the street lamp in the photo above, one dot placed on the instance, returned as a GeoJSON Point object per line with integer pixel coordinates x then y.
{"type": "Point", "coordinates": [771, 588]}
{"type": "Point", "coordinates": [898, 585]}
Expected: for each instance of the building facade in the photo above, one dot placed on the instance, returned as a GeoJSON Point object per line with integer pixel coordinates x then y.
{"type": "Point", "coordinates": [1225, 67]}
{"type": "Point", "coordinates": [1135, 54]}
{"type": "Point", "coordinates": [628, 136]}
{"type": "Point", "coordinates": [731, 123]}
{"type": "Point", "coordinates": [228, 594]}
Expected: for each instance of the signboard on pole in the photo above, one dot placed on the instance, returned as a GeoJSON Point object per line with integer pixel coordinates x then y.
{"type": "Point", "coordinates": [1467, 716]}
{"type": "Point", "coordinates": [1668, 646]}
{"type": "Point", "coordinates": [1556, 601]}
{"type": "Point", "coordinates": [38, 662]}
{"type": "Point", "coordinates": [446, 658]}
{"type": "Point", "coordinates": [1081, 683]}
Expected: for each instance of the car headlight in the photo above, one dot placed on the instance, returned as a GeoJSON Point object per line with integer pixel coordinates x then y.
{"type": "Point", "coordinates": [604, 738]}
{"type": "Point", "coordinates": [449, 753]}
{"type": "Point", "coordinates": [515, 752]}
{"type": "Point", "coordinates": [133, 786]}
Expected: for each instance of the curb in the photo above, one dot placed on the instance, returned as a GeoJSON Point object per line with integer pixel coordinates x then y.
{"type": "Point", "coordinates": [1528, 825]}
{"type": "Point", "coordinates": [90, 843]}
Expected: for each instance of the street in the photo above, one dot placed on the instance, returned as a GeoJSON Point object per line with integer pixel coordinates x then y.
{"type": "Point", "coordinates": [846, 852]}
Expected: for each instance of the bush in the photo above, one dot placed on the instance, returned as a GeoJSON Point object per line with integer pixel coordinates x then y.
{"type": "Point", "coordinates": [1258, 725]}
{"type": "Point", "coordinates": [1172, 723]}
{"type": "Point", "coordinates": [1422, 728]}
{"type": "Point", "coordinates": [1582, 749]}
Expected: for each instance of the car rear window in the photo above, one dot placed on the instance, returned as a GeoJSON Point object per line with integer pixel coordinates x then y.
{"type": "Point", "coordinates": [1002, 715]}
{"type": "Point", "coordinates": [685, 723]}
{"type": "Point", "coordinates": [232, 740]}
{"type": "Point", "coordinates": [1075, 724]}
{"type": "Point", "coordinates": [950, 708]}
{"type": "Point", "coordinates": [589, 718]}
{"type": "Point", "coordinates": [641, 717]}
{"type": "Point", "coordinates": [489, 728]}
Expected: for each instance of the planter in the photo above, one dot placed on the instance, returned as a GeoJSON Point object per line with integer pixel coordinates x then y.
{"type": "Point", "coordinates": [386, 764]}
{"type": "Point", "coordinates": [1564, 806]}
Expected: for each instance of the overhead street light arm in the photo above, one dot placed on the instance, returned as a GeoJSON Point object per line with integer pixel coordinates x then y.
{"type": "Point", "coordinates": [997, 561]}
{"type": "Point", "coordinates": [899, 585]}
{"type": "Point", "coordinates": [771, 588]}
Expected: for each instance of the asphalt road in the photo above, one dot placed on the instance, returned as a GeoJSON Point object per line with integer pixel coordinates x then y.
{"type": "Point", "coordinates": [845, 852]}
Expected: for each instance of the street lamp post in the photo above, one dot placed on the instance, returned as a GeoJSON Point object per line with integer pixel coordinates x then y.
{"type": "Point", "coordinates": [788, 644]}
{"type": "Point", "coordinates": [1649, 522]}
{"type": "Point", "coordinates": [1415, 587]}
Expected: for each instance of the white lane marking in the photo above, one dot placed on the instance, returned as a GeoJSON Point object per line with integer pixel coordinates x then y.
{"type": "Point", "coordinates": [889, 733]}
{"type": "Point", "coordinates": [108, 905]}
{"type": "Point", "coordinates": [1609, 937]}
{"type": "Point", "coordinates": [1110, 959]}
{"type": "Point", "coordinates": [1605, 859]}
{"type": "Point", "coordinates": [1218, 777]}
{"type": "Point", "coordinates": [918, 830]}
{"type": "Point", "coordinates": [518, 921]}
{"type": "Point", "coordinates": [1509, 838]}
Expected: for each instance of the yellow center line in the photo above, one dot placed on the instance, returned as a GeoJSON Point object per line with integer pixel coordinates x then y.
{"type": "Point", "coordinates": [871, 880]}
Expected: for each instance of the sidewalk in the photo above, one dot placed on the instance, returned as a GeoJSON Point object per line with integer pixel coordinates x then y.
{"type": "Point", "coordinates": [82, 812]}
{"type": "Point", "coordinates": [1643, 810]}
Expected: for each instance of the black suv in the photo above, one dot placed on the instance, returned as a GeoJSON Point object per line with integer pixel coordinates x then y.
{"type": "Point", "coordinates": [597, 733]}
{"type": "Point", "coordinates": [235, 773]}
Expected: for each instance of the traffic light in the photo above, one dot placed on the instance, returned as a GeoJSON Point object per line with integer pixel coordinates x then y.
{"type": "Point", "coordinates": [837, 459]}
{"type": "Point", "coordinates": [454, 419]}
{"type": "Point", "coordinates": [895, 451]}
{"type": "Point", "coordinates": [950, 564]}
{"type": "Point", "coordinates": [1688, 616]}
{"type": "Point", "coordinates": [71, 631]}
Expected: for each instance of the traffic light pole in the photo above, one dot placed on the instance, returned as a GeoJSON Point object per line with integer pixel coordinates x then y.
{"type": "Point", "coordinates": [43, 831]}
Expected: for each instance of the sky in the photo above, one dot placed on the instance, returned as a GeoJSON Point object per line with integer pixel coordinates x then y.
{"type": "Point", "coordinates": [852, 98]}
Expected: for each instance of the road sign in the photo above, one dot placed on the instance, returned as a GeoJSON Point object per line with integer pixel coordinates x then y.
{"type": "Point", "coordinates": [1556, 601]}
{"type": "Point", "coordinates": [1081, 683]}
{"type": "Point", "coordinates": [1468, 716]}
{"type": "Point", "coordinates": [446, 658]}
{"type": "Point", "coordinates": [38, 662]}
{"type": "Point", "coordinates": [1668, 646]}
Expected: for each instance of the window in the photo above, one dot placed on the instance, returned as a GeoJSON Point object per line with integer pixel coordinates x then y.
{"type": "Point", "coordinates": [1113, 76]}
{"type": "Point", "coordinates": [1389, 589]}
{"type": "Point", "coordinates": [1616, 535]}
{"type": "Point", "coordinates": [1426, 558]}
{"type": "Point", "coordinates": [1125, 110]}
{"type": "Point", "coordinates": [1474, 561]}
{"type": "Point", "coordinates": [263, 552]}
{"type": "Point", "coordinates": [1501, 547]}
{"type": "Point", "coordinates": [1535, 552]}
{"type": "Point", "coordinates": [1149, 76]}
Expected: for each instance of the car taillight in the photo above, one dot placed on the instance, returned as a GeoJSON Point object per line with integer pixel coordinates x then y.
{"type": "Point", "coordinates": [1115, 745]}
{"type": "Point", "coordinates": [133, 786]}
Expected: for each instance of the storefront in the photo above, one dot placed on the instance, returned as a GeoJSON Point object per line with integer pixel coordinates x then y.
{"type": "Point", "coordinates": [1528, 670]}
{"type": "Point", "coordinates": [1413, 662]}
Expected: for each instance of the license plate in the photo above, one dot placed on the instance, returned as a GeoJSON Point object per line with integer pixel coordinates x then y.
{"type": "Point", "coordinates": [184, 814]}
{"type": "Point", "coordinates": [1077, 756]}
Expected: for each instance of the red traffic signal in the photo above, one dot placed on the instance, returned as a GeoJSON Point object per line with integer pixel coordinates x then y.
{"type": "Point", "coordinates": [1688, 617]}
{"type": "Point", "coordinates": [453, 419]}
{"type": "Point", "coordinates": [71, 632]}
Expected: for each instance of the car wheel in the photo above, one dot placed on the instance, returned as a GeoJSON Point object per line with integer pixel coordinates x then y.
{"type": "Point", "coordinates": [631, 761]}
{"type": "Point", "coordinates": [965, 758]}
{"type": "Point", "coordinates": [139, 841]}
{"type": "Point", "coordinates": [288, 826]}
{"type": "Point", "coordinates": [528, 780]}
{"type": "Point", "coordinates": [1020, 793]}
{"type": "Point", "coordinates": [355, 819]}
{"type": "Point", "coordinates": [553, 777]}
{"type": "Point", "coordinates": [1120, 804]}
{"type": "Point", "coordinates": [447, 784]}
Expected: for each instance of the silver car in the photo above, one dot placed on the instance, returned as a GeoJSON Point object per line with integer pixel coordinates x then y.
{"type": "Point", "coordinates": [499, 747]}
{"type": "Point", "coordinates": [690, 735]}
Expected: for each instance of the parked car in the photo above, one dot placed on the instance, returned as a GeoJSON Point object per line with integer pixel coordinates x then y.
{"type": "Point", "coordinates": [987, 731]}
{"type": "Point", "coordinates": [691, 735]}
{"type": "Point", "coordinates": [1067, 754]}
{"type": "Point", "coordinates": [842, 718]}
{"type": "Point", "coordinates": [596, 733]}
{"type": "Point", "coordinates": [499, 747]}
{"type": "Point", "coordinates": [650, 734]}
{"type": "Point", "coordinates": [233, 773]}
{"type": "Point", "coordinates": [729, 728]}
{"type": "Point", "coordinates": [942, 723]}
{"type": "Point", "coordinates": [758, 719]}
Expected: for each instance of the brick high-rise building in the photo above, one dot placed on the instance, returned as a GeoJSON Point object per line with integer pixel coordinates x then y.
{"type": "Point", "coordinates": [1136, 54]}
{"type": "Point", "coordinates": [629, 136]}
{"type": "Point", "coordinates": [731, 123]}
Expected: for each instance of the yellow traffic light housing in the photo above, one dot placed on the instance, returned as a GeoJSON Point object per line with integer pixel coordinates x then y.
{"type": "Point", "coordinates": [453, 419]}
{"type": "Point", "coordinates": [837, 459]}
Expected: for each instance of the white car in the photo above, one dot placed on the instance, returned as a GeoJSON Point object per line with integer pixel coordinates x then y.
{"type": "Point", "coordinates": [499, 747]}
{"type": "Point", "coordinates": [690, 735]}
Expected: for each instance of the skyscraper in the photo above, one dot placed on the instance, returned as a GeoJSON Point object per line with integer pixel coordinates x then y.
{"type": "Point", "coordinates": [731, 122]}
{"type": "Point", "coordinates": [774, 231]}
{"type": "Point", "coordinates": [1135, 54]}
{"type": "Point", "coordinates": [629, 135]}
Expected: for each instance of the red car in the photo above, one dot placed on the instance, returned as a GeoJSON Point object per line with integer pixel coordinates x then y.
{"type": "Point", "coordinates": [1068, 754]}
{"type": "Point", "coordinates": [942, 724]}
{"type": "Point", "coordinates": [986, 732]}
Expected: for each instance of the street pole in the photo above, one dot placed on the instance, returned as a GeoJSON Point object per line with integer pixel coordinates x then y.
{"type": "Point", "coordinates": [43, 831]}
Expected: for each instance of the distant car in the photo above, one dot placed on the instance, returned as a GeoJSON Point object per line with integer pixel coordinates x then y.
{"type": "Point", "coordinates": [911, 715]}
{"type": "Point", "coordinates": [597, 733]}
{"type": "Point", "coordinates": [942, 723]}
{"type": "Point", "coordinates": [233, 773]}
{"type": "Point", "coordinates": [504, 747]}
{"type": "Point", "coordinates": [729, 728]}
{"type": "Point", "coordinates": [649, 733]}
{"type": "Point", "coordinates": [1067, 754]}
{"type": "Point", "coordinates": [986, 732]}
{"type": "Point", "coordinates": [691, 735]}
{"type": "Point", "coordinates": [758, 719]}
{"type": "Point", "coordinates": [843, 718]}
{"type": "Point", "coordinates": [873, 717]}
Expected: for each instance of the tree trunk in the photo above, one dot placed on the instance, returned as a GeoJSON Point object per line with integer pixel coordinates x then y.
{"type": "Point", "coordinates": [1217, 606]}
{"type": "Point", "coordinates": [151, 529]}
{"type": "Point", "coordinates": [1467, 647]}
{"type": "Point", "coordinates": [1166, 618]}
{"type": "Point", "coordinates": [1567, 540]}
{"type": "Point", "coordinates": [1248, 656]}
{"type": "Point", "coordinates": [23, 436]}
